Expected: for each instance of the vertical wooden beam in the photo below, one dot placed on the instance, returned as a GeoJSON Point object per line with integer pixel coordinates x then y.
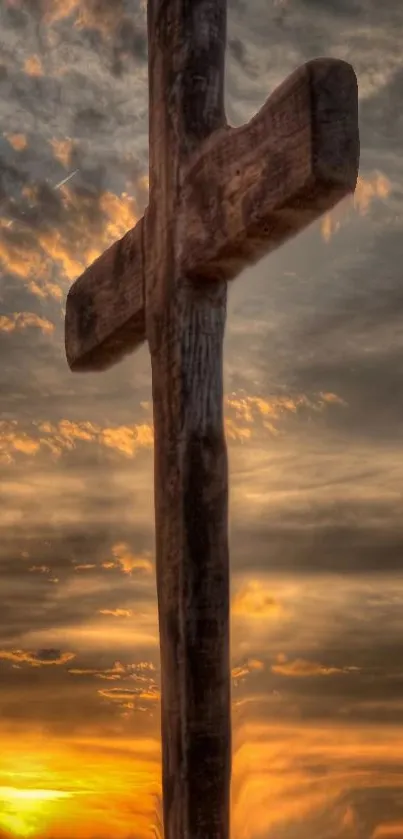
{"type": "Point", "coordinates": [185, 324]}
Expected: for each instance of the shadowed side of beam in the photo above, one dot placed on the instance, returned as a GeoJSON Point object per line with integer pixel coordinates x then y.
{"type": "Point", "coordinates": [105, 316]}
{"type": "Point", "coordinates": [249, 189]}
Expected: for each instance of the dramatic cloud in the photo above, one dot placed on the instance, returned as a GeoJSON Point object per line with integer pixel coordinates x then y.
{"type": "Point", "coordinates": [313, 405]}
{"type": "Point", "coordinates": [300, 668]}
{"type": "Point", "coordinates": [18, 321]}
{"type": "Point", "coordinates": [40, 658]}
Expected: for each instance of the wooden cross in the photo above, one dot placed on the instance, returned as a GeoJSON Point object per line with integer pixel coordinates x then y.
{"type": "Point", "coordinates": [220, 198]}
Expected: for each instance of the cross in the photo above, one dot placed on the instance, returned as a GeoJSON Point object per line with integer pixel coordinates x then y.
{"type": "Point", "coordinates": [220, 198]}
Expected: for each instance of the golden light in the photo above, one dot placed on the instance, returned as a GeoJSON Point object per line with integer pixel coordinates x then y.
{"type": "Point", "coordinates": [24, 812]}
{"type": "Point", "coordinates": [33, 66]}
{"type": "Point", "coordinates": [83, 788]}
{"type": "Point", "coordinates": [254, 599]}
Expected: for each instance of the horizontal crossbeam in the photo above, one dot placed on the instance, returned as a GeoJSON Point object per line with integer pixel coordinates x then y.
{"type": "Point", "coordinates": [245, 192]}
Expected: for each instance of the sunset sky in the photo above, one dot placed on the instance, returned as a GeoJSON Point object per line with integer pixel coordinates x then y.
{"type": "Point", "coordinates": [313, 404]}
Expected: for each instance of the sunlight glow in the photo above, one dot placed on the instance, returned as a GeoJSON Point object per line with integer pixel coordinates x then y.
{"type": "Point", "coordinates": [25, 811]}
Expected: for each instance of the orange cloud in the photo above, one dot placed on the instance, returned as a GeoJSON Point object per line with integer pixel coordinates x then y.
{"type": "Point", "coordinates": [41, 658]}
{"type": "Point", "coordinates": [54, 246]}
{"type": "Point", "coordinates": [119, 671]}
{"type": "Point", "coordinates": [237, 432]}
{"type": "Point", "coordinates": [127, 695]}
{"type": "Point", "coordinates": [367, 191]}
{"type": "Point", "coordinates": [128, 439]}
{"type": "Point", "coordinates": [254, 599]}
{"type": "Point", "coordinates": [26, 264]}
{"type": "Point", "coordinates": [59, 9]}
{"type": "Point", "coordinates": [302, 668]}
{"type": "Point", "coordinates": [128, 561]}
{"type": "Point", "coordinates": [62, 150]}
{"type": "Point", "coordinates": [106, 23]}
{"type": "Point", "coordinates": [12, 441]}
{"type": "Point", "coordinates": [19, 321]}
{"type": "Point", "coordinates": [33, 66]}
{"type": "Point", "coordinates": [114, 673]}
{"type": "Point", "coordinates": [64, 436]}
{"type": "Point", "coordinates": [240, 672]}
{"type": "Point", "coordinates": [245, 416]}
{"type": "Point", "coordinates": [246, 411]}
{"type": "Point", "coordinates": [84, 566]}
{"type": "Point", "coordinates": [72, 430]}
{"type": "Point", "coordinates": [132, 699]}
{"type": "Point", "coordinates": [117, 613]}
{"type": "Point", "coordinates": [89, 14]}
{"type": "Point", "coordinates": [120, 212]}
{"type": "Point", "coordinates": [70, 249]}
{"type": "Point", "coordinates": [17, 141]}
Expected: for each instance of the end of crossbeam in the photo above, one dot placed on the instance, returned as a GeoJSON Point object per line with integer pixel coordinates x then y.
{"type": "Point", "coordinates": [105, 314]}
{"type": "Point", "coordinates": [250, 189]}
{"type": "Point", "coordinates": [335, 137]}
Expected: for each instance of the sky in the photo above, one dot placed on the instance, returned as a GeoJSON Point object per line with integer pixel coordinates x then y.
{"type": "Point", "coordinates": [313, 407]}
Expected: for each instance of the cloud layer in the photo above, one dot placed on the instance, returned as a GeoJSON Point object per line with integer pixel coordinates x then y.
{"type": "Point", "coordinates": [313, 404]}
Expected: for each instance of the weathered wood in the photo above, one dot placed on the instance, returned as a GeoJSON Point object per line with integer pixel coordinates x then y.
{"type": "Point", "coordinates": [105, 314]}
{"type": "Point", "coordinates": [185, 329]}
{"type": "Point", "coordinates": [219, 199]}
{"type": "Point", "coordinates": [249, 189]}
{"type": "Point", "coordinates": [245, 192]}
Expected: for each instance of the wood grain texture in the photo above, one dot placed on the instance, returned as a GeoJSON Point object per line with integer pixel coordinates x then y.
{"type": "Point", "coordinates": [105, 315]}
{"type": "Point", "coordinates": [249, 189]}
{"type": "Point", "coordinates": [185, 325]}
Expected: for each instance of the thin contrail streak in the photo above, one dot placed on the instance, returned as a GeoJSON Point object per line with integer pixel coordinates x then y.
{"type": "Point", "coordinates": [64, 181]}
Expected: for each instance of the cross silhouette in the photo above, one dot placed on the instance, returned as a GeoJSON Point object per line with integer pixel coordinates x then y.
{"type": "Point", "coordinates": [220, 198]}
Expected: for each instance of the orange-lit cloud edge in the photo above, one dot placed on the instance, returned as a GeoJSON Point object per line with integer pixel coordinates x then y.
{"type": "Point", "coordinates": [72, 248]}
{"type": "Point", "coordinates": [245, 415]}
